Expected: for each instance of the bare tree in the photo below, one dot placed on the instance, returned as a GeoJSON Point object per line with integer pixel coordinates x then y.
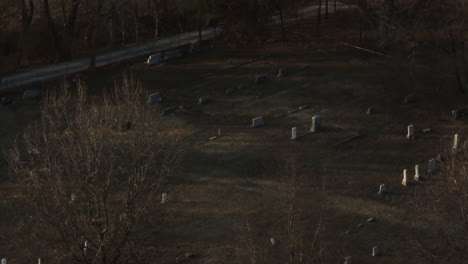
{"type": "Point", "coordinates": [89, 171]}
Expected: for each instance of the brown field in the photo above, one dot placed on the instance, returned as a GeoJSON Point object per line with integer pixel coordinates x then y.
{"type": "Point", "coordinates": [225, 182]}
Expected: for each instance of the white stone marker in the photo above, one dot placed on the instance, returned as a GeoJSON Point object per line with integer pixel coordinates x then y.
{"type": "Point", "coordinates": [38, 261]}
{"type": "Point", "coordinates": [293, 133]}
{"type": "Point", "coordinates": [455, 142]}
{"type": "Point", "coordinates": [316, 123]}
{"type": "Point", "coordinates": [375, 251]}
{"type": "Point", "coordinates": [4, 261]}
{"type": "Point", "coordinates": [164, 198]}
{"type": "Point", "coordinates": [219, 132]}
{"type": "Point", "coordinates": [382, 189]}
{"type": "Point", "coordinates": [257, 122]}
{"type": "Point", "coordinates": [348, 260]}
{"type": "Point", "coordinates": [410, 134]}
{"type": "Point", "coordinates": [431, 166]}
{"type": "Point", "coordinates": [404, 182]}
{"type": "Point", "coordinates": [85, 247]}
{"type": "Point", "coordinates": [273, 241]}
{"type": "Point", "coordinates": [416, 173]}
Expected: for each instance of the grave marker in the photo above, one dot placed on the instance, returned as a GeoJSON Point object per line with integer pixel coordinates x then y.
{"type": "Point", "coordinates": [257, 122]}
{"type": "Point", "coordinates": [203, 100]}
{"type": "Point", "coordinates": [455, 142]}
{"type": "Point", "coordinates": [293, 133]}
{"type": "Point", "coordinates": [382, 189]}
{"type": "Point", "coordinates": [168, 111]}
{"type": "Point", "coordinates": [416, 173]}
{"type": "Point", "coordinates": [431, 166]}
{"type": "Point", "coordinates": [410, 134]}
{"type": "Point", "coordinates": [404, 182]}
{"type": "Point", "coordinates": [375, 251]}
{"type": "Point", "coordinates": [164, 198]}
{"type": "Point", "coordinates": [316, 124]}
{"type": "Point", "coordinates": [154, 98]}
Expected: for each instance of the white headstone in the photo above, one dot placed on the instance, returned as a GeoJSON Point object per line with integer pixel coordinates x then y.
{"type": "Point", "coordinates": [164, 198]}
{"type": "Point", "coordinates": [382, 189]}
{"type": "Point", "coordinates": [416, 173]}
{"type": "Point", "coordinates": [404, 182]}
{"type": "Point", "coordinates": [257, 122]}
{"type": "Point", "coordinates": [85, 246]}
{"type": "Point", "coordinates": [375, 251]}
{"type": "Point", "coordinates": [455, 142]}
{"type": "Point", "coordinates": [293, 133]}
{"type": "Point", "coordinates": [273, 241]}
{"type": "Point", "coordinates": [4, 261]}
{"type": "Point", "coordinates": [410, 134]}
{"type": "Point", "coordinates": [348, 260]}
{"type": "Point", "coordinates": [219, 132]}
{"type": "Point", "coordinates": [38, 261]}
{"type": "Point", "coordinates": [431, 166]}
{"type": "Point", "coordinates": [316, 123]}
{"type": "Point", "coordinates": [73, 197]}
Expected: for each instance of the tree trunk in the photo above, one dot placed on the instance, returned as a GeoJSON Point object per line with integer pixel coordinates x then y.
{"type": "Point", "coordinates": [62, 53]}
{"type": "Point", "coordinates": [283, 30]}
{"type": "Point", "coordinates": [137, 32]}
{"type": "Point", "coordinates": [326, 9]}
{"type": "Point", "coordinates": [319, 18]}
{"type": "Point", "coordinates": [458, 72]}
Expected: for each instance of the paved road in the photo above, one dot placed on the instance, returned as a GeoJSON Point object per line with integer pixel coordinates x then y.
{"type": "Point", "coordinates": [63, 69]}
{"type": "Point", "coordinates": [7, 83]}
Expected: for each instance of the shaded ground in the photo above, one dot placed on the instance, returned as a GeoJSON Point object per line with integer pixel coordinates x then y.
{"type": "Point", "coordinates": [232, 179]}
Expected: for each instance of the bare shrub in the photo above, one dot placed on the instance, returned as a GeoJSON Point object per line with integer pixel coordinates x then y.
{"type": "Point", "coordinates": [298, 237]}
{"type": "Point", "coordinates": [89, 171]}
{"type": "Point", "coordinates": [443, 204]}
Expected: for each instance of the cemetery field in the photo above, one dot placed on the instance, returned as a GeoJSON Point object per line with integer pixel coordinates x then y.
{"type": "Point", "coordinates": [230, 197]}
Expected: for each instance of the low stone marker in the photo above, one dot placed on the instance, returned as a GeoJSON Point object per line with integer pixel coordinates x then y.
{"type": "Point", "coordinates": [348, 260]}
{"type": "Point", "coordinates": [283, 72]}
{"type": "Point", "coordinates": [164, 198]}
{"type": "Point", "coordinates": [405, 181]}
{"type": "Point", "coordinates": [410, 134]}
{"type": "Point", "coordinates": [431, 166]}
{"type": "Point", "coordinates": [31, 94]}
{"type": "Point", "coordinates": [154, 59]}
{"type": "Point", "coordinates": [455, 142]}
{"type": "Point", "coordinates": [168, 111]}
{"type": "Point", "coordinates": [417, 176]}
{"type": "Point", "coordinates": [293, 133]}
{"type": "Point", "coordinates": [203, 100]}
{"type": "Point", "coordinates": [382, 189]}
{"type": "Point", "coordinates": [4, 261]}
{"type": "Point", "coordinates": [260, 79]}
{"type": "Point", "coordinates": [257, 122]}
{"type": "Point", "coordinates": [370, 111]}
{"type": "Point", "coordinates": [230, 91]}
{"type": "Point", "coordinates": [316, 124]}
{"type": "Point", "coordinates": [273, 241]}
{"type": "Point", "coordinates": [85, 246]}
{"type": "Point", "coordinates": [426, 130]}
{"type": "Point", "coordinates": [375, 251]}
{"type": "Point", "coordinates": [410, 99]}
{"type": "Point", "coordinates": [460, 114]}
{"type": "Point", "coordinates": [154, 98]}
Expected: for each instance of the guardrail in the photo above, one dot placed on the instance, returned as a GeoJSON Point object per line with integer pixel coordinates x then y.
{"type": "Point", "coordinates": [72, 67]}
